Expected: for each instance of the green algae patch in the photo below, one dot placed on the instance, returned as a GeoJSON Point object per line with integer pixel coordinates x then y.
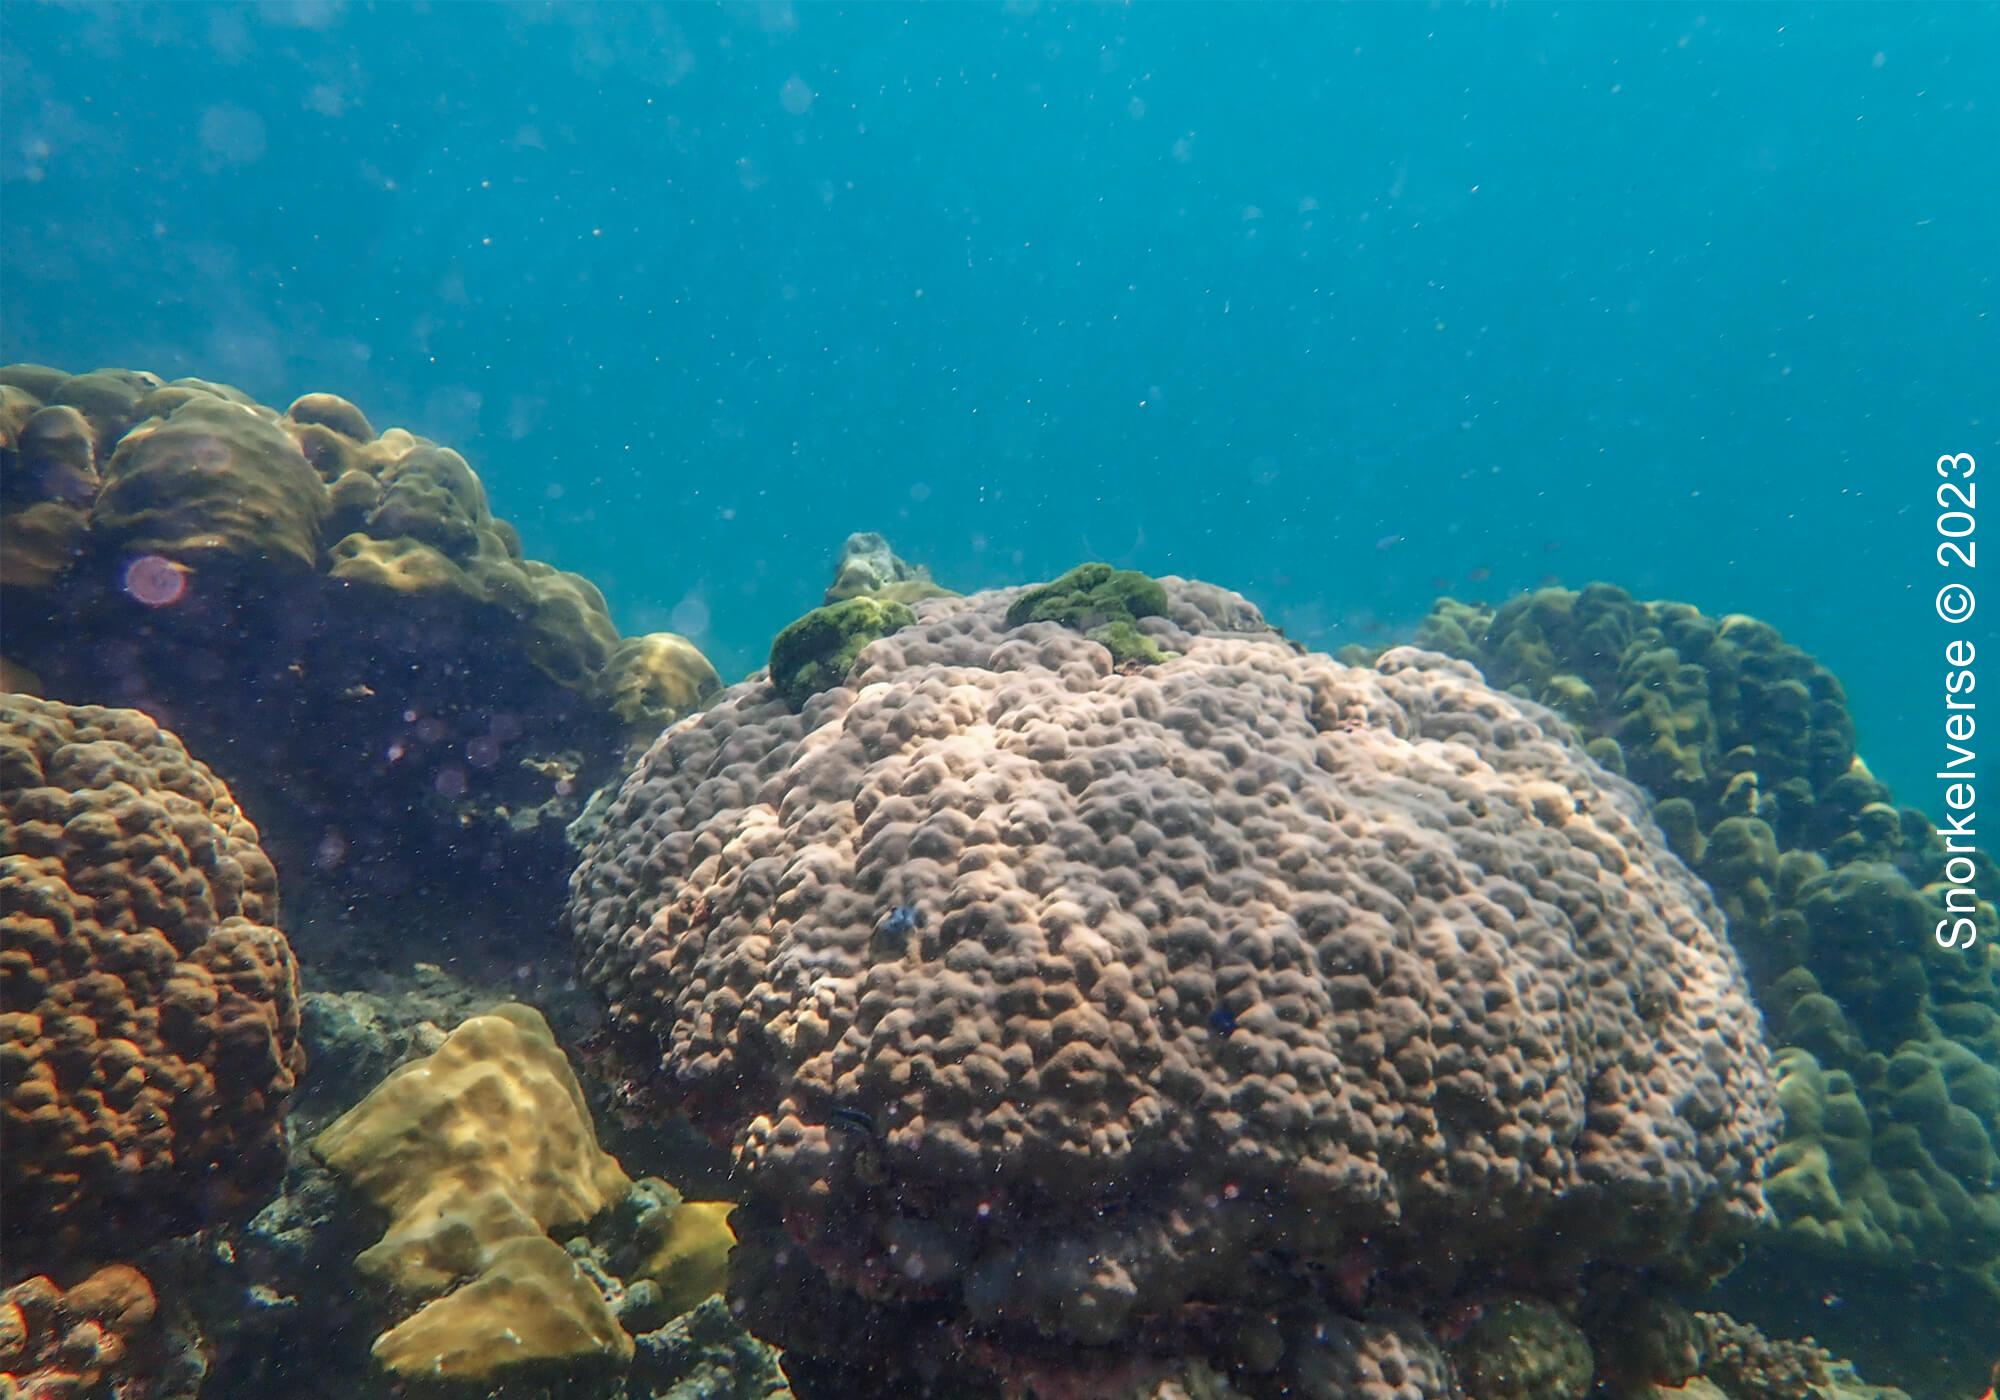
{"type": "Point", "coordinates": [1103, 603]}
{"type": "Point", "coordinates": [816, 652]}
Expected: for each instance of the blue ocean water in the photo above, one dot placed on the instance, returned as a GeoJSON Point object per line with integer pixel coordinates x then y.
{"type": "Point", "coordinates": [1340, 307]}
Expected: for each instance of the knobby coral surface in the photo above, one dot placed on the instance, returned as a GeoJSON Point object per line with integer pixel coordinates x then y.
{"type": "Point", "coordinates": [149, 1005]}
{"type": "Point", "coordinates": [95, 1339]}
{"type": "Point", "coordinates": [1890, 1059]}
{"type": "Point", "coordinates": [1039, 989]}
{"type": "Point", "coordinates": [333, 617]}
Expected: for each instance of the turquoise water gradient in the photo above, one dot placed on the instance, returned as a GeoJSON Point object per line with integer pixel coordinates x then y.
{"type": "Point", "coordinates": [1335, 306]}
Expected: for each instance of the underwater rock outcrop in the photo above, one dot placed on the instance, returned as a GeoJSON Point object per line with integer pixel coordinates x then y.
{"type": "Point", "coordinates": [1889, 1066]}
{"type": "Point", "coordinates": [149, 1004]}
{"type": "Point", "coordinates": [334, 618]}
{"type": "Point", "coordinates": [1052, 999]}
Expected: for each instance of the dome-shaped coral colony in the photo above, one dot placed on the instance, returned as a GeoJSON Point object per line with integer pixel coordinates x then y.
{"type": "Point", "coordinates": [149, 1007]}
{"type": "Point", "coordinates": [1050, 996]}
{"type": "Point", "coordinates": [333, 617]}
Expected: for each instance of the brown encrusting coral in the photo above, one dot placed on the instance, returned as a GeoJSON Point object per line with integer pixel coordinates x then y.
{"type": "Point", "coordinates": [149, 1005]}
{"type": "Point", "coordinates": [331, 616]}
{"type": "Point", "coordinates": [99, 1338]}
{"type": "Point", "coordinates": [1043, 998]}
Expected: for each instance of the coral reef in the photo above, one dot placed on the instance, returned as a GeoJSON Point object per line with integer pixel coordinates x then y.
{"type": "Point", "coordinates": [1890, 1066]}
{"type": "Point", "coordinates": [530, 1312]}
{"type": "Point", "coordinates": [479, 1152]}
{"type": "Point", "coordinates": [1039, 995]}
{"type": "Point", "coordinates": [704, 1354]}
{"type": "Point", "coordinates": [1741, 1363]}
{"type": "Point", "coordinates": [101, 1337]}
{"type": "Point", "coordinates": [149, 1005]}
{"type": "Point", "coordinates": [336, 621]}
{"type": "Point", "coordinates": [487, 1140]}
{"type": "Point", "coordinates": [1522, 1349]}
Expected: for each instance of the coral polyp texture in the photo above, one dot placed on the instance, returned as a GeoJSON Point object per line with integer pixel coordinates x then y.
{"type": "Point", "coordinates": [98, 1338]}
{"type": "Point", "coordinates": [1889, 1058]}
{"type": "Point", "coordinates": [1891, 1070]}
{"type": "Point", "coordinates": [1046, 994]}
{"type": "Point", "coordinates": [149, 1005]}
{"type": "Point", "coordinates": [332, 616]}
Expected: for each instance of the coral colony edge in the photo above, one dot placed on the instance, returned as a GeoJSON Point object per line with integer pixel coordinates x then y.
{"type": "Point", "coordinates": [411, 986]}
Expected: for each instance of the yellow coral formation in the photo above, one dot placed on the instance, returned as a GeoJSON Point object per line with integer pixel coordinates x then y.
{"type": "Point", "coordinates": [486, 1141]}
{"type": "Point", "coordinates": [211, 477]}
{"type": "Point", "coordinates": [653, 680]}
{"type": "Point", "coordinates": [692, 1260]}
{"type": "Point", "coordinates": [477, 1152]}
{"type": "Point", "coordinates": [532, 1307]}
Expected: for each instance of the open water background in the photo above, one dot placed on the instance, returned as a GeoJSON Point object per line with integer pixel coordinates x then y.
{"type": "Point", "coordinates": [1339, 307]}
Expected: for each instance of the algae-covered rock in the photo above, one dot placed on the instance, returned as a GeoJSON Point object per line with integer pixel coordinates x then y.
{"type": "Point", "coordinates": [704, 1354]}
{"type": "Point", "coordinates": [1103, 603]}
{"type": "Point", "coordinates": [816, 652]}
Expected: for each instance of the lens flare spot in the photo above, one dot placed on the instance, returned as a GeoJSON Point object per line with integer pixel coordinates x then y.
{"type": "Point", "coordinates": [156, 581]}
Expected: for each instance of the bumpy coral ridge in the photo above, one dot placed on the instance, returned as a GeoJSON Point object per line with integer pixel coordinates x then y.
{"type": "Point", "coordinates": [149, 1007]}
{"type": "Point", "coordinates": [485, 1141]}
{"type": "Point", "coordinates": [1890, 1066]}
{"type": "Point", "coordinates": [89, 1340]}
{"type": "Point", "coordinates": [333, 617]}
{"type": "Point", "coordinates": [1047, 990]}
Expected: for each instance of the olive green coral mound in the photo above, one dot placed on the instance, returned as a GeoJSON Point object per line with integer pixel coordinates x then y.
{"type": "Point", "coordinates": [816, 652]}
{"type": "Point", "coordinates": [1103, 603]}
{"type": "Point", "coordinates": [1891, 1044]}
{"type": "Point", "coordinates": [335, 618]}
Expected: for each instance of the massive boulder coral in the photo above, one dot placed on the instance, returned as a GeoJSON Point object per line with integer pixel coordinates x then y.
{"type": "Point", "coordinates": [1890, 1058]}
{"type": "Point", "coordinates": [334, 617]}
{"type": "Point", "coordinates": [1048, 996]}
{"type": "Point", "coordinates": [149, 1005]}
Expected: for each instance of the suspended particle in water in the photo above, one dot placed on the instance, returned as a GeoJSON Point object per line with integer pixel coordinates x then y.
{"type": "Point", "coordinates": [796, 96]}
{"type": "Point", "coordinates": [156, 581]}
{"type": "Point", "coordinates": [690, 616]}
{"type": "Point", "coordinates": [332, 851]}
